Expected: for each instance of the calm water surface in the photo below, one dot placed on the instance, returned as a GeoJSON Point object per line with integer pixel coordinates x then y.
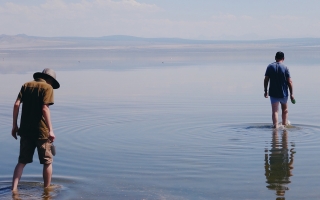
{"type": "Point", "coordinates": [171, 132]}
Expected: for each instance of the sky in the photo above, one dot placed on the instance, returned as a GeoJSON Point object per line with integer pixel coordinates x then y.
{"type": "Point", "coordinates": [189, 19]}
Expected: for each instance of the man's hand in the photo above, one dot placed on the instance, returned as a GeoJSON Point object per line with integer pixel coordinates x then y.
{"type": "Point", "coordinates": [51, 136]}
{"type": "Point", "coordinates": [265, 94]}
{"type": "Point", "coordinates": [14, 132]}
{"type": "Point", "coordinates": [15, 127]}
{"type": "Point", "coordinates": [291, 97]}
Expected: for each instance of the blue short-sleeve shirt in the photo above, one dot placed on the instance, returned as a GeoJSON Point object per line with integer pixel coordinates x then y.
{"type": "Point", "coordinates": [278, 74]}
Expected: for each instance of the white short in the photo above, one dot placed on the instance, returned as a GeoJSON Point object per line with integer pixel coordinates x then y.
{"type": "Point", "coordinates": [283, 100]}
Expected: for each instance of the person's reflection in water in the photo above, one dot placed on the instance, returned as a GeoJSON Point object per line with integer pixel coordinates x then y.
{"type": "Point", "coordinates": [279, 164]}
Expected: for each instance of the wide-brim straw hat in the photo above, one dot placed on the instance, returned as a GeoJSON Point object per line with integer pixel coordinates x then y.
{"type": "Point", "coordinates": [48, 73]}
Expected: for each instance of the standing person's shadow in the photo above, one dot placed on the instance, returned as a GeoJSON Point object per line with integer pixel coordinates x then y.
{"type": "Point", "coordinates": [279, 164]}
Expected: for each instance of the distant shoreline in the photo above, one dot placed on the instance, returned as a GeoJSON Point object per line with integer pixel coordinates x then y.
{"type": "Point", "coordinates": [24, 41]}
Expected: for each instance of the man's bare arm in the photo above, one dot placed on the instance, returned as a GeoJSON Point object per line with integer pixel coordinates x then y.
{"type": "Point", "coordinates": [47, 117]}
{"type": "Point", "coordinates": [290, 85]}
{"type": "Point", "coordinates": [265, 83]}
{"type": "Point", "coordinates": [15, 127]}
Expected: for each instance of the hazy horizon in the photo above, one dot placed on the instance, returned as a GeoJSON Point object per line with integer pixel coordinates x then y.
{"type": "Point", "coordinates": [203, 19]}
{"type": "Point", "coordinates": [120, 36]}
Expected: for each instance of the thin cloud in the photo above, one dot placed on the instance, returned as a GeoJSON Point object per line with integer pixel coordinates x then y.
{"type": "Point", "coordinates": [224, 17]}
{"type": "Point", "coordinates": [231, 17]}
{"type": "Point", "coordinates": [60, 7]}
{"type": "Point", "coordinates": [246, 17]}
{"type": "Point", "coordinates": [285, 17]}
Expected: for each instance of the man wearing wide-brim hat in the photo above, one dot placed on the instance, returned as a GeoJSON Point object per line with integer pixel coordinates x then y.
{"type": "Point", "coordinates": [35, 129]}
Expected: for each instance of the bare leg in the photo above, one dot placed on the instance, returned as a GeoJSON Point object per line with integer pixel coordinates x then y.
{"type": "Point", "coordinates": [275, 108]}
{"type": "Point", "coordinates": [17, 175]}
{"type": "Point", "coordinates": [284, 108]}
{"type": "Point", "coordinates": [47, 174]}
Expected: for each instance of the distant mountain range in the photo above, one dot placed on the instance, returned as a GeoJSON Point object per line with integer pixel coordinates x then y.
{"type": "Point", "coordinates": [25, 41]}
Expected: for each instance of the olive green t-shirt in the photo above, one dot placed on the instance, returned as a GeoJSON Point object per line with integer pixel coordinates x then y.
{"type": "Point", "coordinates": [33, 95]}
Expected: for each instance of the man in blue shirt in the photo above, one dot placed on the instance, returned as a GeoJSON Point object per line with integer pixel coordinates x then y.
{"type": "Point", "coordinates": [280, 80]}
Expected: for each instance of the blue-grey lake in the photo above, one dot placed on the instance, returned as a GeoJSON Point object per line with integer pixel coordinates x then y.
{"type": "Point", "coordinates": [168, 123]}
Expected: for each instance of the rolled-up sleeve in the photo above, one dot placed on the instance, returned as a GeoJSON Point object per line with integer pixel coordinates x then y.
{"type": "Point", "coordinates": [267, 72]}
{"type": "Point", "coordinates": [287, 73]}
{"type": "Point", "coordinates": [48, 98]}
{"type": "Point", "coordinates": [20, 95]}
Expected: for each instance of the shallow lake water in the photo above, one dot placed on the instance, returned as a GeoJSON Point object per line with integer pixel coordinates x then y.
{"type": "Point", "coordinates": [187, 131]}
